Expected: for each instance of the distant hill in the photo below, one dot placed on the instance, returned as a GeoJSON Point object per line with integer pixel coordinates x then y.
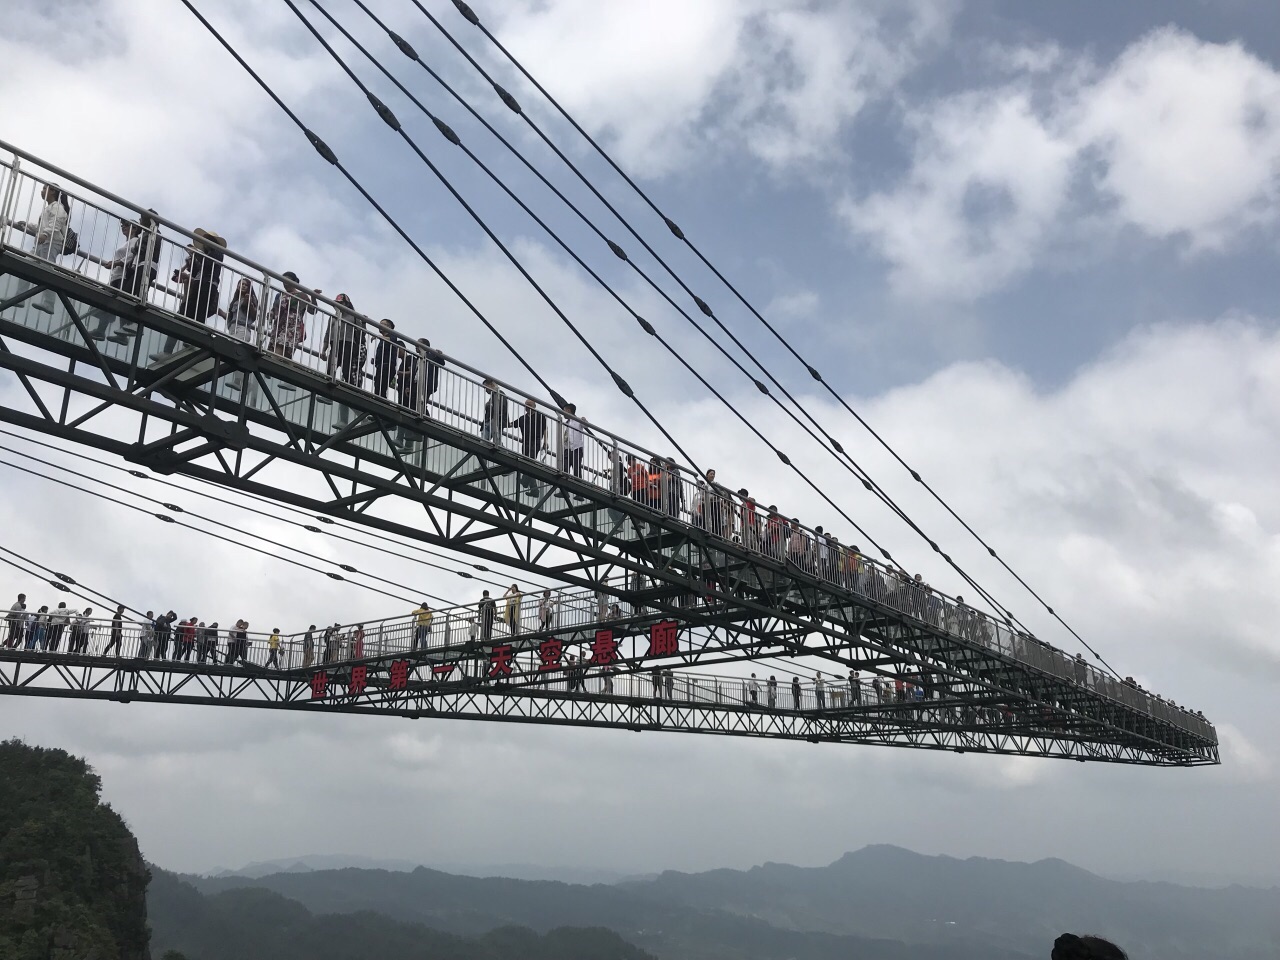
{"type": "Point", "coordinates": [878, 902]}
{"type": "Point", "coordinates": [471, 907]}
{"type": "Point", "coordinates": [251, 923]}
{"type": "Point", "coordinates": [514, 871]}
{"type": "Point", "coordinates": [72, 883]}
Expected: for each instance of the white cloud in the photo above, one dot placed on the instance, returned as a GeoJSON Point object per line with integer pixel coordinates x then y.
{"type": "Point", "coordinates": [987, 177]}
{"type": "Point", "coordinates": [1187, 135]}
{"type": "Point", "coordinates": [1178, 139]}
{"type": "Point", "coordinates": [668, 79]}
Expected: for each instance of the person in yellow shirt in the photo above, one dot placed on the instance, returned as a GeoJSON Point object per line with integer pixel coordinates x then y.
{"type": "Point", "coordinates": [511, 612]}
{"type": "Point", "coordinates": [273, 645]}
{"type": "Point", "coordinates": [422, 626]}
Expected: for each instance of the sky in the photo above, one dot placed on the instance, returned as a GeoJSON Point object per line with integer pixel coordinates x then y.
{"type": "Point", "coordinates": [1033, 245]}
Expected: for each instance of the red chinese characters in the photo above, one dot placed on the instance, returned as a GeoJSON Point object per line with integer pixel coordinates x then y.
{"type": "Point", "coordinates": [399, 675]}
{"type": "Point", "coordinates": [442, 670]}
{"type": "Point", "coordinates": [604, 649]}
{"type": "Point", "coordinates": [550, 652]}
{"type": "Point", "coordinates": [319, 685]}
{"type": "Point", "coordinates": [664, 639]}
{"type": "Point", "coordinates": [501, 660]}
{"type": "Point", "coordinates": [359, 680]}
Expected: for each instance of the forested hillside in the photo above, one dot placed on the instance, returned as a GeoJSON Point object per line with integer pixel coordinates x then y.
{"type": "Point", "coordinates": [72, 883]}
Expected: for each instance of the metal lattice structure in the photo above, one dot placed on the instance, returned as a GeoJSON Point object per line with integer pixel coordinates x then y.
{"type": "Point", "coordinates": [178, 397]}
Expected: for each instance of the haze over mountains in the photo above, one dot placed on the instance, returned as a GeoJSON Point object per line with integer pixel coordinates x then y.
{"type": "Point", "coordinates": [515, 871]}
{"type": "Point", "coordinates": [878, 902]}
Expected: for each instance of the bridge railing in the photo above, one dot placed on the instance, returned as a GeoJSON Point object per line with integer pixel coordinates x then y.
{"type": "Point", "coordinates": [119, 245]}
{"type": "Point", "coordinates": [384, 641]}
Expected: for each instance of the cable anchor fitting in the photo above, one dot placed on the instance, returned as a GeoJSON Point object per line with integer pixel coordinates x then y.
{"type": "Point", "coordinates": [322, 148]}
{"type": "Point", "coordinates": [385, 113]}
{"type": "Point", "coordinates": [405, 47]}
{"type": "Point", "coordinates": [467, 13]}
{"type": "Point", "coordinates": [447, 130]}
{"type": "Point", "coordinates": [505, 96]}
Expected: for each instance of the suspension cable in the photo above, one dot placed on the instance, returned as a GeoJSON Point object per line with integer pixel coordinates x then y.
{"type": "Point", "coordinates": [61, 581]}
{"type": "Point", "coordinates": [850, 466]}
{"type": "Point", "coordinates": [138, 474]}
{"type": "Point", "coordinates": [469, 15]}
{"type": "Point", "coordinates": [166, 518]}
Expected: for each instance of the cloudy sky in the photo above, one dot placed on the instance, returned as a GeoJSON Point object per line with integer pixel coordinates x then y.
{"type": "Point", "coordinates": [1034, 245]}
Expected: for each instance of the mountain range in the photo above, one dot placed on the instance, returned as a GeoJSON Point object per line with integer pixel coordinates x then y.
{"type": "Point", "coordinates": [878, 902]}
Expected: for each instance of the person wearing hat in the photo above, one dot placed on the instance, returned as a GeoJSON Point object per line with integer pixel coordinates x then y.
{"type": "Point", "coordinates": [289, 316]}
{"type": "Point", "coordinates": [198, 277]}
{"type": "Point", "coordinates": [201, 275]}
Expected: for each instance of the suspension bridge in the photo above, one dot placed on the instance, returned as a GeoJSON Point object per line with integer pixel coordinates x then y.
{"type": "Point", "coordinates": [666, 575]}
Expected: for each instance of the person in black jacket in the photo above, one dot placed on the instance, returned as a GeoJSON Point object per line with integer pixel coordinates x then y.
{"type": "Point", "coordinates": [117, 632]}
{"type": "Point", "coordinates": [433, 362]}
{"type": "Point", "coordinates": [386, 358]}
{"type": "Point", "coordinates": [163, 626]}
{"type": "Point", "coordinates": [532, 425]}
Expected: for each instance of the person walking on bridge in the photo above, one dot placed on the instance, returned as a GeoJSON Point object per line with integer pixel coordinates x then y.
{"type": "Point", "coordinates": [53, 235]}
{"type": "Point", "coordinates": [422, 626]}
{"type": "Point", "coordinates": [511, 609]}
{"type": "Point", "coordinates": [573, 442]}
{"type": "Point", "coordinates": [533, 440]}
{"type": "Point", "coordinates": [38, 630]}
{"type": "Point", "coordinates": [547, 610]}
{"type": "Point", "coordinates": [58, 621]}
{"type": "Point", "coordinates": [532, 425]}
{"type": "Point", "coordinates": [488, 612]}
{"type": "Point", "coordinates": [344, 343]}
{"type": "Point", "coordinates": [123, 266]}
{"type": "Point", "coordinates": [16, 620]}
{"type": "Point", "coordinates": [387, 357]}
{"type": "Point", "coordinates": [273, 646]}
{"type": "Point", "coordinates": [117, 632]}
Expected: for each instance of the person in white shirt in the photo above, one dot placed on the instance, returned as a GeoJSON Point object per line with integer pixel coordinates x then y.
{"type": "Point", "coordinates": [146, 635]}
{"type": "Point", "coordinates": [50, 233]}
{"type": "Point", "coordinates": [58, 621]}
{"type": "Point", "coordinates": [124, 270]}
{"type": "Point", "coordinates": [571, 453]}
{"type": "Point", "coordinates": [81, 630]}
{"type": "Point", "coordinates": [547, 610]}
{"type": "Point", "coordinates": [17, 619]}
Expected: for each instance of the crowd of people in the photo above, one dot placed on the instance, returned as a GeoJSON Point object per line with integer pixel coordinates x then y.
{"type": "Point", "coordinates": [191, 640]}
{"type": "Point", "coordinates": [375, 357]}
{"type": "Point", "coordinates": [408, 371]}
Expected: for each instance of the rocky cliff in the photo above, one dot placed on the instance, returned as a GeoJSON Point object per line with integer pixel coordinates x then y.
{"type": "Point", "coordinates": [72, 882]}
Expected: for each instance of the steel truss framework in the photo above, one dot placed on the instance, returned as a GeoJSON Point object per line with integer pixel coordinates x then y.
{"type": "Point", "coordinates": [219, 410]}
{"type": "Point", "coordinates": [935, 725]}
